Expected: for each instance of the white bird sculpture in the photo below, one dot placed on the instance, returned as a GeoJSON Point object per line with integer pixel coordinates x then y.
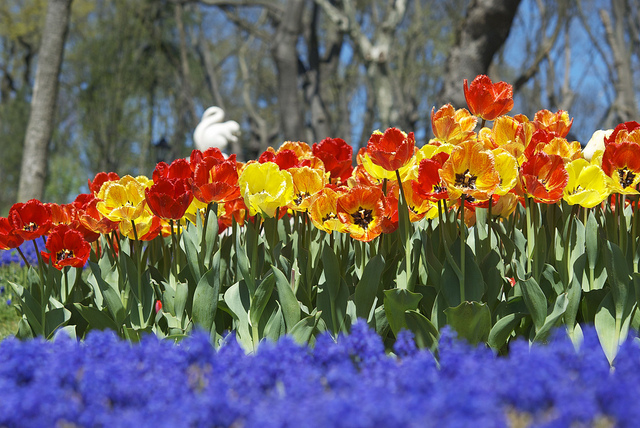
{"type": "Point", "coordinates": [213, 132]}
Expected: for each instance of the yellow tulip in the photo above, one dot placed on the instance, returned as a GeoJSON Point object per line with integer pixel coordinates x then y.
{"type": "Point", "coordinates": [265, 187]}
{"type": "Point", "coordinates": [306, 183]}
{"type": "Point", "coordinates": [507, 168]}
{"type": "Point", "coordinates": [587, 185]}
{"type": "Point", "coordinates": [123, 200]}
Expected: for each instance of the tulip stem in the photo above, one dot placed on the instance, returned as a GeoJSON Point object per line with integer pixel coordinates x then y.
{"type": "Point", "coordinates": [175, 249]}
{"type": "Point", "coordinates": [24, 259]}
{"type": "Point", "coordinates": [463, 248]}
{"type": "Point", "coordinates": [622, 226]}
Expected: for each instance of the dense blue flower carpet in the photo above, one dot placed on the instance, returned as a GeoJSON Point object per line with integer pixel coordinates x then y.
{"type": "Point", "coordinates": [105, 381]}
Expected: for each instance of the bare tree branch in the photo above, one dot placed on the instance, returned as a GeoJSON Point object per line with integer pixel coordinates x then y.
{"type": "Point", "coordinates": [544, 48]}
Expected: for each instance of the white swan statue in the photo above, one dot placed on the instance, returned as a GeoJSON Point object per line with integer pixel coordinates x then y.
{"type": "Point", "coordinates": [213, 132]}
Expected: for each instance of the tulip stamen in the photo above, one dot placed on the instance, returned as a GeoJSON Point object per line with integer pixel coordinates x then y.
{"type": "Point", "coordinates": [362, 217]}
{"type": "Point", "coordinates": [29, 227]}
{"type": "Point", "coordinates": [329, 216]}
{"type": "Point", "coordinates": [466, 179]}
{"type": "Point", "coordinates": [64, 254]}
{"type": "Point", "coordinates": [626, 177]}
{"type": "Point", "coordinates": [301, 197]}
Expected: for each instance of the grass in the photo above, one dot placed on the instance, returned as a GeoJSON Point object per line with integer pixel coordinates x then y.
{"type": "Point", "coordinates": [9, 317]}
{"type": "Point", "coordinates": [8, 320]}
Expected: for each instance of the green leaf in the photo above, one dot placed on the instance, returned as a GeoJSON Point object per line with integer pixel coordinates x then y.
{"type": "Point", "coordinates": [288, 302]}
{"type": "Point", "coordinates": [611, 331]}
{"type": "Point", "coordinates": [553, 319]}
{"type": "Point", "coordinates": [574, 292]}
{"type": "Point", "coordinates": [207, 245]}
{"type": "Point", "coordinates": [493, 274]}
{"type": "Point", "coordinates": [31, 309]}
{"type": "Point", "coordinates": [180, 302]}
{"type": "Point", "coordinates": [503, 329]}
{"type": "Point", "coordinates": [243, 263]}
{"type": "Point", "coordinates": [331, 271]}
{"type": "Point", "coordinates": [205, 297]}
{"type": "Point", "coordinates": [260, 299]}
{"type": "Point", "coordinates": [618, 274]}
{"type": "Point", "coordinates": [591, 240]}
{"type": "Point", "coordinates": [425, 333]}
{"type": "Point", "coordinates": [275, 326]}
{"type": "Point", "coordinates": [367, 287]}
{"type": "Point", "coordinates": [24, 330]}
{"type": "Point", "coordinates": [55, 318]}
{"type": "Point", "coordinates": [535, 300]}
{"type": "Point", "coordinates": [303, 330]}
{"type": "Point", "coordinates": [473, 280]}
{"type": "Point", "coordinates": [97, 319]}
{"type": "Point", "coordinates": [108, 292]}
{"type": "Point", "coordinates": [192, 251]}
{"type": "Point", "coordinates": [471, 320]}
{"type": "Point", "coordinates": [396, 303]}
{"type": "Point", "coordinates": [238, 301]}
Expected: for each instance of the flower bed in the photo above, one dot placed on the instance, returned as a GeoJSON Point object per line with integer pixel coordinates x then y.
{"type": "Point", "coordinates": [106, 381]}
{"type": "Point", "coordinates": [500, 233]}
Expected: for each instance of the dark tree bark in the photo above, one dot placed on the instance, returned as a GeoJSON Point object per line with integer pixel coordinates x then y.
{"type": "Point", "coordinates": [43, 101]}
{"type": "Point", "coordinates": [285, 54]}
{"type": "Point", "coordinates": [481, 34]}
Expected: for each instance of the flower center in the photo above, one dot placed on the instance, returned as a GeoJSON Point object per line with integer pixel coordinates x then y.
{"type": "Point", "coordinates": [329, 216]}
{"type": "Point", "coordinates": [300, 197]}
{"type": "Point", "coordinates": [362, 217]}
{"type": "Point", "coordinates": [64, 254]}
{"type": "Point", "coordinates": [626, 177]}
{"type": "Point", "coordinates": [466, 179]}
{"type": "Point", "coordinates": [29, 227]}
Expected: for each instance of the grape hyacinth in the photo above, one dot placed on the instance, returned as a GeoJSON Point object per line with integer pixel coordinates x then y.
{"type": "Point", "coordinates": [351, 382]}
{"type": "Point", "coordinates": [8, 257]}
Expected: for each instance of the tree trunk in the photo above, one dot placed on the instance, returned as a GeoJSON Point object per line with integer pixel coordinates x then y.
{"type": "Point", "coordinates": [285, 54]}
{"type": "Point", "coordinates": [624, 106]}
{"type": "Point", "coordinates": [482, 33]}
{"type": "Point", "coordinates": [43, 101]}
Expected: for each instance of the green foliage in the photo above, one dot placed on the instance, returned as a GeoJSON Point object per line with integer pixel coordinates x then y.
{"type": "Point", "coordinates": [273, 277]}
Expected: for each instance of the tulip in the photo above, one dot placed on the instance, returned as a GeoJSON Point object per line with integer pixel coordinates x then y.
{"type": "Point", "coordinates": [265, 187]}
{"type": "Point", "coordinates": [488, 100]}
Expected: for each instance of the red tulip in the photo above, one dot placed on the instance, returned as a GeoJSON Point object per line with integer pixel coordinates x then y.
{"type": "Point", "coordinates": [9, 239]}
{"type": "Point", "coordinates": [31, 219]}
{"type": "Point", "coordinates": [66, 247]}
{"type": "Point", "coordinates": [486, 99]}
{"type": "Point", "coordinates": [169, 198]}
{"type": "Point", "coordinates": [336, 155]}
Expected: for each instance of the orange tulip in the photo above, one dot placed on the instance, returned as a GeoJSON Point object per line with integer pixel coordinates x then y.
{"type": "Point", "coordinates": [559, 123]}
{"type": "Point", "coordinates": [391, 150]}
{"type": "Point", "coordinates": [362, 210]}
{"type": "Point", "coordinates": [323, 210]}
{"type": "Point", "coordinates": [627, 131]}
{"type": "Point", "coordinates": [488, 100]}
{"type": "Point", "coordinates": [470, 170]}
{"type": "Point", "coordinates": [551, 144]}
{"type": "Point", "coordinates": [544, 177]}
{"type": "Point", "coordinates": [452, 126]}
{"type": "Point", "coordinates": [621, 163]}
